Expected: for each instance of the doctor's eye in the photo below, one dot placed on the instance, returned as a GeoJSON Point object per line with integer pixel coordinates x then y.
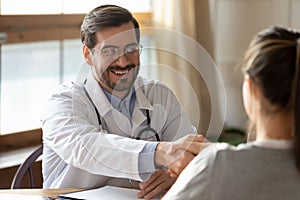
{"type": "Point", "coordinates": [110, 51]}
{"type": "Point", "coordinates": [134, 48]}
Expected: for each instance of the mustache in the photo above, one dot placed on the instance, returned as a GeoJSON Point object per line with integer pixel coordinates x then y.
{"type": "Point", "coordinates": [117, 67]}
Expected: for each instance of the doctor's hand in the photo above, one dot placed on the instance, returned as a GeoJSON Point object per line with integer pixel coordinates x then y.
{"type": "Point", "coordinates": [177, 155]}
{"type": "Point", "coordinates": [158, 183]}
{"type": "Point", "coordinates": [197, 144]}
{"type": "Point", "coordinates": [192, 143]}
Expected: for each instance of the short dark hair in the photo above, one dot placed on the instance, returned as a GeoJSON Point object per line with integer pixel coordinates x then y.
{"type": "Point", "coordinates": [103, 17]}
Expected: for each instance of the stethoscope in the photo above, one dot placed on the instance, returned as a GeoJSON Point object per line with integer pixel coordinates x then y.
{"type": "Point", "coordinates": [138, 136]}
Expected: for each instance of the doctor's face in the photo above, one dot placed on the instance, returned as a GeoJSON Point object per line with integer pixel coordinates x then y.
{"type": "Point", "coordinates": [116, 57]}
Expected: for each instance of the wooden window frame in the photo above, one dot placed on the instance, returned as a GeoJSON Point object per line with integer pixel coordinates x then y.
{"type": "Point", "coordinates": [33, 28]}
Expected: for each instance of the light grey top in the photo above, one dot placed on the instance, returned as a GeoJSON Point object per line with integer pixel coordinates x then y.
{"type": "Point", "coordinates": [259, 170]}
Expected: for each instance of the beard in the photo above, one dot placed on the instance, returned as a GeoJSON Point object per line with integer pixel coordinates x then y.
{"type": "Point", "coordinates": [118, 78]}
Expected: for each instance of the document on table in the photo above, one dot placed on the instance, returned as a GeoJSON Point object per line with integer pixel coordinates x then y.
{"type": "Point", "coordinates": [104, 193]}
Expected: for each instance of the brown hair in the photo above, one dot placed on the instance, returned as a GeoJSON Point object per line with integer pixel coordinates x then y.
{"type": "Point", "coordinates": [103, 17]}
{"type": "Point", "coordinates": [272, 62]}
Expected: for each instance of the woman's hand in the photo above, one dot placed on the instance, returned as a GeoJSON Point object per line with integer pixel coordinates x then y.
{"type": "Point", "coordinates": [177, 155]}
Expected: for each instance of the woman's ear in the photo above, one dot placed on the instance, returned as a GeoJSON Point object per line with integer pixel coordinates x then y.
{"type": "Point", "coordinates": [249, 95]}
{"type": "Point", "coordinates": [87, 54]}
{"type": "Point", "coordinates": [252, 96]}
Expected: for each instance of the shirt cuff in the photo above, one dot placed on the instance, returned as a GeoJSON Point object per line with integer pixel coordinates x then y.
{"type": "Point", "coordinates": [146, 163]}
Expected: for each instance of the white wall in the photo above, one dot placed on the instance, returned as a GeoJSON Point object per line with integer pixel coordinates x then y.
{"type": "Point", "coordinates": [235, 23]}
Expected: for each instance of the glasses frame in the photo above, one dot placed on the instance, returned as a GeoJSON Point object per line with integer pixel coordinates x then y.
{"type": "Point", "coordinates": [117, 52]}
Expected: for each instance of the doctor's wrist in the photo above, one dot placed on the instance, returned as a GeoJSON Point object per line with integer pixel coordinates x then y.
{"type": "Point", "coordinates": [161, 154]}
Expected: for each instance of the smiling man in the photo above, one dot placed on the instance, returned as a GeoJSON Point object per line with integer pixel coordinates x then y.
{"type": "Point", "coordinates": [115, 58]}
{"type": "Point", "coordinates": [116, 127]}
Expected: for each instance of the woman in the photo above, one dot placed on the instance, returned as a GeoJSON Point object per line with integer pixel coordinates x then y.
{"type": "Point", "coordinates": [269, 167]}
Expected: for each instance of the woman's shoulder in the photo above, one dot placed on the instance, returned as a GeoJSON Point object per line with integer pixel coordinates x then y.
{"type": "Point", "coordinates": [215, 150]}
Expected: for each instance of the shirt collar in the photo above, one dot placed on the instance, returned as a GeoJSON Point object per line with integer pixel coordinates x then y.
{"type": "Point", "coordinates": [98, 95]}
{"type": "Point", "coordinates": [117, 103]}
{"type": "Point", "coordinates": [116, 100]}
{"type": "Point", "coordinates": [274, 143]}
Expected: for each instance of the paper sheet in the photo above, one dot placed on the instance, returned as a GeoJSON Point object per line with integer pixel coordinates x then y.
{"type": "Point", "coordinates": [104, 193]}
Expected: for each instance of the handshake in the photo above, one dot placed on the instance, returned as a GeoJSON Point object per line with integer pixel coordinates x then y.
{"type": "Point", "coordinates": [174, 155]}
{"type": "Point", "coordinates": [178, 154]}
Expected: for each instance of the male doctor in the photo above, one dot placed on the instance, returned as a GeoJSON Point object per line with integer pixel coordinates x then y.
{"type": "Point", "coordinates": [93, 132]}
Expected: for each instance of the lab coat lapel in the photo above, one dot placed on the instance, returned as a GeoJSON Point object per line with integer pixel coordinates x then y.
{"type": "Point", "coordinates": [142, 103]}
{"type": "Point", "coordinates": [105, 109]}
{"type": "Point", "coordinates": [97, 96]}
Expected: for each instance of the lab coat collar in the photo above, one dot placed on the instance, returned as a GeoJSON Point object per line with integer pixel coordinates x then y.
{"type": "Point", "coordinates": [140, 94]}
{"type": "Point", "coordinates": [138, 115]}
{"type": "Point", "coordinates": [97, 95]}
{"type": "Point", "coordinates": [99, 98]}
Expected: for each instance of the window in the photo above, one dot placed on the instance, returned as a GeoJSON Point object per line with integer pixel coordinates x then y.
{"type": "Point", "coordinates": [38, 55]}
{"type": "Point", "coordinates": [28, 74]}
{"type": "Point", "coordinates": [17, 7]}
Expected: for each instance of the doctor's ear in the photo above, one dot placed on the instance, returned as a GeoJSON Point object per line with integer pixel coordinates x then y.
{"type": "Point", "coordinates": [87, 54]}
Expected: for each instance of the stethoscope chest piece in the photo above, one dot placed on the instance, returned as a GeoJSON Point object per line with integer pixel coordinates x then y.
{"type": "Point", "coordinates": [148, 134]}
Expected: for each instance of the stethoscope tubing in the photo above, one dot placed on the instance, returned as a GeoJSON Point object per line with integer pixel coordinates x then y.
{"type": "Point", "coordinates": [139, 134]}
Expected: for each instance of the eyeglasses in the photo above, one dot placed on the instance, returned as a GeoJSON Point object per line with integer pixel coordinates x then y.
{"type": "Point", "coordinates": [131, 51]}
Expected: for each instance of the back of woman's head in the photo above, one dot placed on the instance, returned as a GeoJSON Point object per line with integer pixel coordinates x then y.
{"type": "Point", "coordinates": [272, 62]}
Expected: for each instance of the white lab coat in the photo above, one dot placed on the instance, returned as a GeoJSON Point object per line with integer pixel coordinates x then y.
{"type": "Point", "coordinates": [77, 154]}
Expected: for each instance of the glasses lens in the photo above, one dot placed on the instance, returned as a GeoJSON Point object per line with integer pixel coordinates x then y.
{"type": "Point", "coordinates": [133, 50]}
{"type": "Point", "coordinates": [109, 51]}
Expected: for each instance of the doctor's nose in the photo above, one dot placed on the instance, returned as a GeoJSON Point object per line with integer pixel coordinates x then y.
{"type": "Point", "coordinates": [122, 60]}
